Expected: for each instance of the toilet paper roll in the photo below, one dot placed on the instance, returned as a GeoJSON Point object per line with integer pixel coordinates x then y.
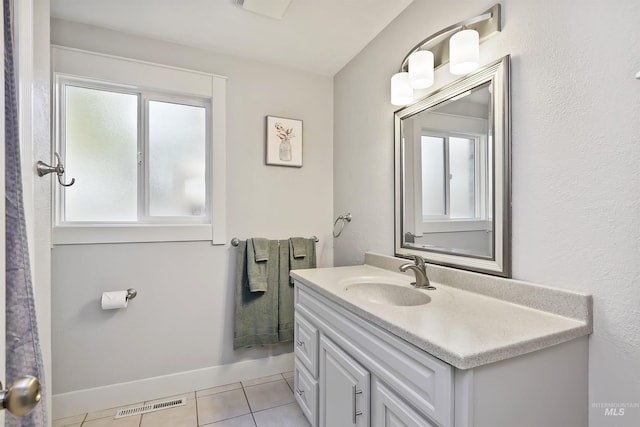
{"type": "Point", "coordinates": [113, 300]}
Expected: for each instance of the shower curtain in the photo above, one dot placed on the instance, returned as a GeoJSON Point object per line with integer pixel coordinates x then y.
{"type": "Point", "coordinates": [23, 352]}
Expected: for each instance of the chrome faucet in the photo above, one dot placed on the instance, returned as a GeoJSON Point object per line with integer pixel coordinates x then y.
{"type": "Point", "coordinates": [419, 267]}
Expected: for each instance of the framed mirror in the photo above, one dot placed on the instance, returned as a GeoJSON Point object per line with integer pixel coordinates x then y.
{"type": "Point", "coordinates": [453, 174]}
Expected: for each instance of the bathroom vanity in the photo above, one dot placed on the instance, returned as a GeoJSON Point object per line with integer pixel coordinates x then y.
{"type": "Point", "coordinates": [370, 350]}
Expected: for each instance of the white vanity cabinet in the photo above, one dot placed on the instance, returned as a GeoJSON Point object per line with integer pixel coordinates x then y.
{"type": "Point", "coordinates": [362, 375]}
{"type": "Point", "coordinates": [351, 372]}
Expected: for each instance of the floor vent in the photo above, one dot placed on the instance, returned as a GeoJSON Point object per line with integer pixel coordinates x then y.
{"type": "Point", "coordinates": [151, 408]}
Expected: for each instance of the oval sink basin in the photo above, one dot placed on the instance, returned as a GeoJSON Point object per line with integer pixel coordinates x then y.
{"type": "Point", "coordinates": [387, 294]}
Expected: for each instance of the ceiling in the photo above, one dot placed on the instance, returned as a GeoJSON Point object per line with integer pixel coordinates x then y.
{"type": "Point", "coordinates": [319, 36]}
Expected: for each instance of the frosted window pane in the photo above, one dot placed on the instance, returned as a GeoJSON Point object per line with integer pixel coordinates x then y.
{"type": "Point", "coordinates": [101, 130]}
{"type": "Point", "coordinates": [433, 171]}
{"type": "Point", "coordinates": [462, 161]}
{"type": "Point", "coordinates": [177, 159]}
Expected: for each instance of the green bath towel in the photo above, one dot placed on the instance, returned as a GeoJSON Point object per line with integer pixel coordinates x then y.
{"type": "Point", "coordinates": [256, 313]}
{"type": "Point", "coordinates": [285, 296]}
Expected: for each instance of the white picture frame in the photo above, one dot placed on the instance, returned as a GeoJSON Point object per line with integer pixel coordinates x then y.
{"type": "Point", "coordinates": [284, 142]}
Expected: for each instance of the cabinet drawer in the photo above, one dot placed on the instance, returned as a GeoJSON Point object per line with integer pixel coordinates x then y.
{"type": "Point", "coordinates": [306, 392]}
{"type": "Point", "coordinates": [306, 344]}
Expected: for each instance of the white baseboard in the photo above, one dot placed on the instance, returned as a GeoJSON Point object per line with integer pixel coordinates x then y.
{"type": "Point", "coordinates": [115, 395]}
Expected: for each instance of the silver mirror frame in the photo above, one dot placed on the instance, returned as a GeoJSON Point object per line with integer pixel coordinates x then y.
{"type": "Point", "coordinates": [500, 264]}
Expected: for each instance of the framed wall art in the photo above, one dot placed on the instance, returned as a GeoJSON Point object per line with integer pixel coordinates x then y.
{"type": "Point", "coordinates": [284, 142]}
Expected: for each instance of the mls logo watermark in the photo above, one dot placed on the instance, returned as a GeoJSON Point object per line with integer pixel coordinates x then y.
{"type": "Point", "coordinates": [615, 409]}
{"type": "Point", "coordinates": [613, 412]}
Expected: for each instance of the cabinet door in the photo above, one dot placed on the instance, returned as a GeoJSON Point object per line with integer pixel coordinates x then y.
{"type": "Point", "coordinates": [344, 388]}
{"type": "Point", "coordinates": [390, 410]}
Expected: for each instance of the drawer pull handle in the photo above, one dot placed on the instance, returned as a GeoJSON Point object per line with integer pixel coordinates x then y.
{"type": "Point", "coordinates": [299, 343]}
{"type": "Point", "coordinates": [355, 412]}
{"type": "Point", "coordinates": [300, 392]}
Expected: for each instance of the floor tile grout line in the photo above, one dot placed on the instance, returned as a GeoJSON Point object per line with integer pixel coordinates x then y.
{"type": "Point", "coordinates": [255, 423]}
{"type": "Point", "coordinates": [266, 409]}
{"type": "Point", "coordinates": [290, 387]}
{"type": "Point", "coordinates": [247, 399]}
{"type": "Point", "coordinates": [277, 406]}
{"type": "Point", "coordinates": [266, 382]}
{"type": "Point", "coordinates": [195, 397]}
{"type": "Point", "coordinates": [214, 394]}
{"type": "Point", "coordinates": [235, 416]}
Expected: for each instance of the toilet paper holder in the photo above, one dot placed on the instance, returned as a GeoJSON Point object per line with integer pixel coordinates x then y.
{"type": "Point", "coordinates": [131, 294]}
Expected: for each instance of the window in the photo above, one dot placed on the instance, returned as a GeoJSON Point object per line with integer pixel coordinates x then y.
{"type": "Point", "coordinates": [100, 141]}
{"type": "Point", "coordinates": [177, 160]}
{"type": "Point", "coordinates": [135, 158]}
{"type": "Point", "coordinates": [146, 147]}
{"type": "Point", "coordinates": [453, 181]}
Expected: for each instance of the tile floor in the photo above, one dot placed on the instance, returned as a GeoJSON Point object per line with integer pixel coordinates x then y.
{"type": "Point", "coordinates": [262, 402]}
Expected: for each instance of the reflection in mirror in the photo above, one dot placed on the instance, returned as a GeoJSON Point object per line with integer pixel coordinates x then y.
{"type": "Point", "coordinates": [448, 146]}
{"type": "Point", "coordinates": [452, 174]}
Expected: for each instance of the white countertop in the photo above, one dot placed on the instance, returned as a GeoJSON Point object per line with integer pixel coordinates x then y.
{"type": "Point", "coordinates": [465, 329]}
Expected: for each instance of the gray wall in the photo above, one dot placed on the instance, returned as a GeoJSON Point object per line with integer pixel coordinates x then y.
{"type": "Point", "coordinates": [182, 319]}
{"type": "Point", "coordinates": [576, 151]}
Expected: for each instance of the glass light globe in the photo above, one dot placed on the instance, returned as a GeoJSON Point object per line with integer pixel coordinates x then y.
{"type": "Point", "coordinates": [464, 52]}
{"type": "Point", "coordinates": [421, 69]}
{"type": "Point", "coordinates": [401, 90]}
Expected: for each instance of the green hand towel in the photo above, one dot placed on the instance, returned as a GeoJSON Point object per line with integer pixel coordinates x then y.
{"type": "Point", "coordinates": [299, 247]}
{"type": "Point", "coordinates": [256, 313]}
{"type": "Point", "coordinates": [285, 296]}
{"type": "Point", "coordinates": [260, 249]}
{"type": "Point", "coordinates": [256, 270]}
{"type": "Point", "coordinates": [309, 261]}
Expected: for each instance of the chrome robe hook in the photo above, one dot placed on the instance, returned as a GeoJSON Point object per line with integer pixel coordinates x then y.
{"type": "Point", "coordinates": [44, 169]}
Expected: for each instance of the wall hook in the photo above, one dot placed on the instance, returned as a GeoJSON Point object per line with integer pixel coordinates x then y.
{"type": "Point", "coordinates": [44, 169]}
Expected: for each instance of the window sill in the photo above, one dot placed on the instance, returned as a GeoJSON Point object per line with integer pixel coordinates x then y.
{"type": "Point", "coordinates": [130, 233]}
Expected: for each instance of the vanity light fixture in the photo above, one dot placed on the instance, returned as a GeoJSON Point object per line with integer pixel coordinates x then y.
{"type": "Point", "coordinates": [459, 44]}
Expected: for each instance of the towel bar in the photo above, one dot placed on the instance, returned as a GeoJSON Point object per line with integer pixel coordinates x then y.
{"type": "Point", "coordinates": [235, 241]}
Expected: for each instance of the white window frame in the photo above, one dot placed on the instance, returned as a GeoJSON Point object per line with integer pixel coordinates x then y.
{"type": "Point", "coordinates": [171, 84]}
{"type": "Point", "coordinates": [443, 223]}
{"type": "Point", "coordinates": [479, 180]}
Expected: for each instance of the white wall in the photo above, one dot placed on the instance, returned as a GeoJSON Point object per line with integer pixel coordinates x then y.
{"type": "Point", "coordinates": [182, 319]}
{"type": "Point", "coordinates": [576, 156]}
